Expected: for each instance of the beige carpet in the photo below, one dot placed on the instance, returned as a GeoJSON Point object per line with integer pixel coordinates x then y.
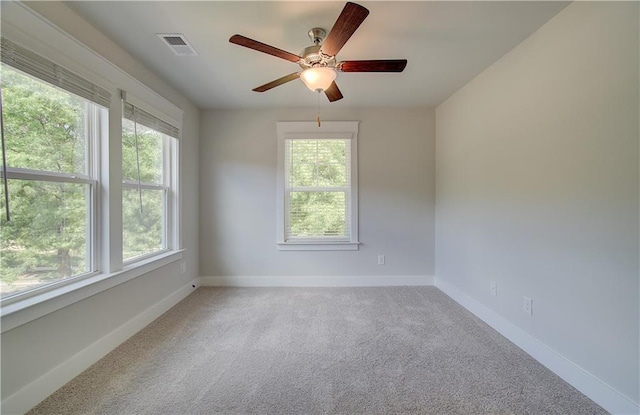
{"type": "Point", "coordinates": [317, 350]}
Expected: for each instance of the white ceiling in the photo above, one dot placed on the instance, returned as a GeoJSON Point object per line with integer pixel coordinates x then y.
{"type": "Point", "coordinates": [446, 44]}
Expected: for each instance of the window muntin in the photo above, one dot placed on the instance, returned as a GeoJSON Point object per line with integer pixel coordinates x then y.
{"type": "Point", "coordinates": [49, 137]}
{"type": "Point", "coordinates": [145, 201]}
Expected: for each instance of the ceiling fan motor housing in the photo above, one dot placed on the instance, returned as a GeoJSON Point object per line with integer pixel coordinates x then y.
{"type": "Point", "coordinates": [312, 56]}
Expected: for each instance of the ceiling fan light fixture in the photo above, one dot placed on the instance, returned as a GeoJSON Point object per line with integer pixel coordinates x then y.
{"type": "Point", "coordinates": [318, 62]}
{"type": "Point", "coordinates": [318, 78]}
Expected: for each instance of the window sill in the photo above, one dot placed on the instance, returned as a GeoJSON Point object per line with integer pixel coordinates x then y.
{"type": "Point", "coordinates": [28, 309]}
{"type": "Point", "coordinates": [318, 246]}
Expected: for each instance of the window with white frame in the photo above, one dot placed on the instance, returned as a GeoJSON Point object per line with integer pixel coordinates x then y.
{"type": "Point", "coordinates": [51, 122]}
{"type": "Point", "coordinates": [61, 191]}
{"type": "Point", "coordinates": [317, 186]}
{"type": "Point", "coordinates": [148, 150]}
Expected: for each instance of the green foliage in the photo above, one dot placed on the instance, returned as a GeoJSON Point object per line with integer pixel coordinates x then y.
{"type": "Point", "coordinates": [149, 153]}
{"type": "Point", "coordinates": [44, 130]}
{"type": "Point", "coordinates": [317, 178]}
{"type": "Point", "coordinates": [47, 237]}
{"type": "Point", "coordinates": [44, 126]}
{"type": "Point", "coordinates": [317, 214]}
{"type": "Point", "coordinates": [142, 228]}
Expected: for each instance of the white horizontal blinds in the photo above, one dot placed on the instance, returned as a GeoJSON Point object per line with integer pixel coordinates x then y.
{"type": "Point", "coordinates": [33, 64]}
{"type": "Point", "coordinates": [149, 120]}
{"type": "Point", "coordinates": [317, 184]}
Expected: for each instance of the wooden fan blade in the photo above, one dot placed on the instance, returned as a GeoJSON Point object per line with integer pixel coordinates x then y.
{"type": "Point", "coordinates": [333, 92]}
{"type": "Point", "coordinates": [277, 82]}
{"type": "Point", "coordinates": [264, 48]}
{"type": "Point", "coordinates": [394, 65]}
{"type": "Point", "coordinates": [348, 22]}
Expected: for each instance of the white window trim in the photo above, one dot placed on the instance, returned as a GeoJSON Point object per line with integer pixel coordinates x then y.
{"type": "Point", "coordinates": [328, 129]}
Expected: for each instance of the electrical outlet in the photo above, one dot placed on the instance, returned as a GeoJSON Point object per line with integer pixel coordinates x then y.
{"type": "Point", "coordinates": [183, 268]}
{"type": "Point", "coordinates": [527, 305]}
{"type": "Point", "coordinates": [380, 259]}
{"type": "Point", "coordinates": [494, 288]}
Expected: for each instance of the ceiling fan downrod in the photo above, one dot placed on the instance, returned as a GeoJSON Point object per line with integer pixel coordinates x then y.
{"type": "Point", "coordinates": [317, 35]}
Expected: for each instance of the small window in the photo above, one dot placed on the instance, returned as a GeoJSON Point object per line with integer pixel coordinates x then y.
{"type": "Point", "coordinates": [51, 152]}
{"type": "Point", "coordinates": [147, 196]}
{"type": "Point", "coordinates": [317, 186]}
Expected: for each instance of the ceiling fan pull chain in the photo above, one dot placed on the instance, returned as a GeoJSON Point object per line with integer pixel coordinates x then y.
{"type": "Point", "coordinates": [318, 103]}
{"type": "Point", "coordinates": [5, 179]}
{"type": "Point", "coordinates": [135, 132]}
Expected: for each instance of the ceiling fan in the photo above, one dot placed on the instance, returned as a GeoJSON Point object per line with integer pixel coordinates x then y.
{"type": "Point", "coordinates": [318, 62]}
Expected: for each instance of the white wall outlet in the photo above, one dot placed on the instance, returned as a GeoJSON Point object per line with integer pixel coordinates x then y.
{"type": "Point", "coordinates": [494, 288]}
{"type": "Point", "coordinates": [380, 259]}
{"type": "Point", "coordinates": [183, 268]}
{"type": "Point", "coordinates": [527, 305]}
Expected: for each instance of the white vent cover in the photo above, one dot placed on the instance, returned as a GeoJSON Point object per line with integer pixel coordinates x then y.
{"type": "Point", "coordinates": [178, 44]}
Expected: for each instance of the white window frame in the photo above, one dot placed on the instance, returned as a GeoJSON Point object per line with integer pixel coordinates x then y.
{"type": "Point", "coordinates": [342, 130]}
{"type": "Point", "coordinates": [95, 117]}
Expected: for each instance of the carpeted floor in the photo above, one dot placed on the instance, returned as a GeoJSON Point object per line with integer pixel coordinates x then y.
{"type": "Point", "coordinates": [317, 350]}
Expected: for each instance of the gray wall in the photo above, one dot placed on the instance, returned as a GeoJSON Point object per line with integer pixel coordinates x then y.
{"type": "Point", "coordinates": [537, 188]}
{"type": "Point", "coordinates": [238, 194]}
{"type": "Point", "coordinates": [31, 350]}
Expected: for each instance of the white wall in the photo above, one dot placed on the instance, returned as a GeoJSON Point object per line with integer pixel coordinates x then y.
{"type": "Point", "coordinates": [538, 186]}
{"type": "Point", "coordinates": [238, 195]}
{"type": "Point", "coordinates": [45, 353]}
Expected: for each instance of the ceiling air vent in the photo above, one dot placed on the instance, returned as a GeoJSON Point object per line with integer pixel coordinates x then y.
{"type": "Point", "coordinates": [178, 44]}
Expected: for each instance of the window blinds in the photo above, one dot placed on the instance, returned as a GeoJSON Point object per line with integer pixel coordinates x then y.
{"type": "Point", "coordinates": [318, 186]}
{"type": "Point", "coordinates": [149, 120]}
{"type": "Point", "coordinates": [33, 64]}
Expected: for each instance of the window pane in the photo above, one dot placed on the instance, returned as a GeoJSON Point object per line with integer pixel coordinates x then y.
{"type": "Point", "coordinates": [319, 214]}
{"type": "Point", "coordinates": [303, 151]}
{"type": "Point", "coordinates": [46, 239]}
{"type": "Point", "coordinates": [143, 231]}
{"type": "Point", "coordinates": [331, 151]}
{"type": "Point", "coordinates": [317, 163]}
{"type": "Point", "coordinates": [331, 175]}
{"type": "Point", "coordinates": [149, 153]}
{"type": "Point", "coordinates": [303, 174]}
{"type": "Point", "coordinates": [44, 126]}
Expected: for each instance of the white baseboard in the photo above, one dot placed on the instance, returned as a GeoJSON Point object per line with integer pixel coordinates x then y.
{"type": "Point", "coordinates": [594, 388]}
{"type": "Point", "coordinates": [36, 391]}
{"type": "Point", "coordinates": [328, 281]}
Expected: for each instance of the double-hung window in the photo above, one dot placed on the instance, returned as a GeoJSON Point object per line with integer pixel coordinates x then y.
{"type": "Point", "coordinates": [52, 121]}
{"type": "Point", "coordinates": [148, 200]}
{"type": "Point", "coordinates": [80, 202]}
{"type": "Point", "coordinates": [317, 186]}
